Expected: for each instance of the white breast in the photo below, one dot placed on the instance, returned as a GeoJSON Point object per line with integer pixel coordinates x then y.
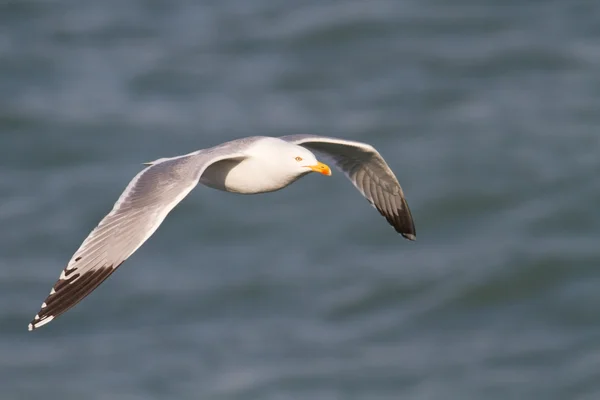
{"type": "Point", "coordinates": [249, 176]}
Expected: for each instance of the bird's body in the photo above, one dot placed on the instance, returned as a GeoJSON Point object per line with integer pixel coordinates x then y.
{"type": "Point", "coordinates": [252, 175]}
{"type": "Point", "coordinates": [247, 166]}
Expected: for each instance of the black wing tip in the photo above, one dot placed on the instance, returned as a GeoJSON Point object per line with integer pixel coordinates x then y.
{"type": "Point", "coordinates": [402, 221]}
{"type": "Point", "coordinates": [406, 226]}
{"type": "Point", "coordinates": [403, 224]}
{"type": "Point", "coordinates": [66, 293]}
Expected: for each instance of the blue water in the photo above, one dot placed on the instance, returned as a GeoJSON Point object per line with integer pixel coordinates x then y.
{"type": "Point", "coordinates": [487, 111]}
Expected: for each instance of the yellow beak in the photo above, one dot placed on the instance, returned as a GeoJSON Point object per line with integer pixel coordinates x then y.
{"type": "Point", "coordinates": [321, 168]}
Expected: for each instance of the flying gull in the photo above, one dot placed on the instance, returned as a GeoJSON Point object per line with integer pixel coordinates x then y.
{"type": "Point", "coordinates": [249, 165]}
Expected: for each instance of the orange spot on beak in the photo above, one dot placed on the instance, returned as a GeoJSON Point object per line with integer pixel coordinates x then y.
{"type": "Point", "coordinates": [321, 168]}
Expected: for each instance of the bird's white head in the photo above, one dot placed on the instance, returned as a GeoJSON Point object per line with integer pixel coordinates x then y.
{"type": "Point", "coordinates": [303, 161]}
{"type": "Point", "coordinates": [299, 160]}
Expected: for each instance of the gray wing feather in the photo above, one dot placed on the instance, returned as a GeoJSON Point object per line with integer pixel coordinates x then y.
{"type": "Point", "coordinates": [136, 215]}
{"type": "Point", "coordinates": [369, 173]}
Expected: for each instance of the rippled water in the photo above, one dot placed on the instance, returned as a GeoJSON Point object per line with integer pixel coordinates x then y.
{"type": "Point", "coordinates": [487, 111]}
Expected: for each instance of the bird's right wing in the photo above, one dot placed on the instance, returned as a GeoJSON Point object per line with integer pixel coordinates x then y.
{"type": "Point", "coordinates": [136, 215]}
{"type": "Point", "coordinates": [369, 173]}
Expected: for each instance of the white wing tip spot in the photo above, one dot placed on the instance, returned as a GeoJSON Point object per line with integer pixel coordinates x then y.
{"type": "Point", "coordinates": [41, 322]}
{"type": "Point", "coordinates": [44, 305]}
{"type": "Point", "coordinates": [52, 291]}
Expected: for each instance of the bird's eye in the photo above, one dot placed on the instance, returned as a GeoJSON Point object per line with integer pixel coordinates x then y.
{"type": "Point", "coordinates": [298, 158]}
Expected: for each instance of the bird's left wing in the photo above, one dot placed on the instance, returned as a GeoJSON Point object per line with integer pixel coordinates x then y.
{"type": "Point", "coordinates": [136, 215]}
{"type": "Point", "coordinates": [369, 173]}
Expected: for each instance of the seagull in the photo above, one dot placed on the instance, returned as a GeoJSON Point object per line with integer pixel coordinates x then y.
{"type": "Point", "coordinates": [250, 165]}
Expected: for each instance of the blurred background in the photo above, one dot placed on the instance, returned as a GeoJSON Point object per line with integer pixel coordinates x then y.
{"type": "Point", "coordinates": [487, 111]}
